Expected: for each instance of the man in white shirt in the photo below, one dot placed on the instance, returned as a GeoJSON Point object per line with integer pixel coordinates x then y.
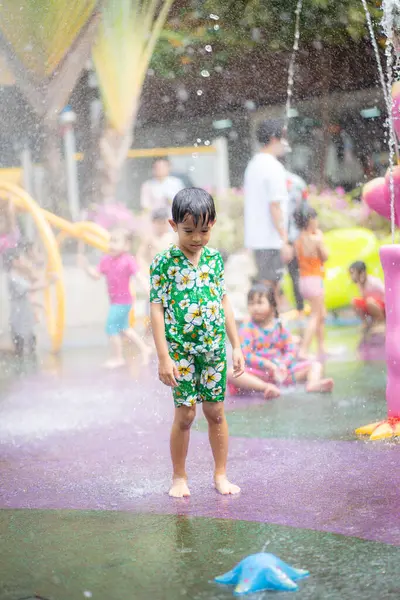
{"type": "Point", "coordinates": [157, 193]}
{"type": "Point", "coordinates": [266, 204]}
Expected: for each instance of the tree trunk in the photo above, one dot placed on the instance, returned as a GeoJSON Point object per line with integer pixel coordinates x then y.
{"type": "Point", "coordinates": [55, 197]}
{"type": "Point", "coordinates": [114, 147]}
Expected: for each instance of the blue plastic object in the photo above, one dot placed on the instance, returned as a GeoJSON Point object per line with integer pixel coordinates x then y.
{"type": "Point", "coordinates": [262, 571]}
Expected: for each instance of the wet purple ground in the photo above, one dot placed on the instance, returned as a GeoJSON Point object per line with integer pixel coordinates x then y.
{"type": "Point", "coordinates": [67, 443]}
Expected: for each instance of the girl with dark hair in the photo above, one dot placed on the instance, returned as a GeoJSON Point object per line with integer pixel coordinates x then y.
{"type": "Point", "coordinates": [269, 353]}
{"type": "Point", "coordinates": [311, 255]}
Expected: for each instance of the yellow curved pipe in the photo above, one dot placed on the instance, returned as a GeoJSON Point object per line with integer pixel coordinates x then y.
{"type": "Point", "coordinates": [88, 232]}
{"type": "Point", "coordinates": [55, 314]}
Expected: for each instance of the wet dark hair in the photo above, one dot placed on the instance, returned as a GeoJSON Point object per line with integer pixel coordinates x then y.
{"type": "Point", "coordinates": [266, 291]}
{"type": "Point", "coordinates": [303, 216]}
{"type": "Point", "coordinates": [358, 266]}
{"type": "Point", "coordinates": [161, 214]}
{"type": "Point", "coordinates": [267, 130]}
{"type": "Point", "coordinates": [195, 202]}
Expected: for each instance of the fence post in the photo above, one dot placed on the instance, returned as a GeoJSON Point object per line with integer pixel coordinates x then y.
{"type": "Point", "coordinates": [222, 168]}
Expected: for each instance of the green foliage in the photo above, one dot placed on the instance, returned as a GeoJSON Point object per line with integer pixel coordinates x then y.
{"type": "Point", "coordinates": [246, 25]}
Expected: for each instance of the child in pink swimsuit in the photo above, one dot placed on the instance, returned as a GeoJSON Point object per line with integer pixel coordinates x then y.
{"type": "Point", "coordinates": [269, 353]}
{"type": "Point", "coordinates": [118, 267]}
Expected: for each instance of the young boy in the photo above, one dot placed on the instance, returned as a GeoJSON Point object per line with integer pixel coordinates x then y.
{"type": "Point", "coordinates": [370, 307]}
{"type": "Point", "coordinates": [190, 312]}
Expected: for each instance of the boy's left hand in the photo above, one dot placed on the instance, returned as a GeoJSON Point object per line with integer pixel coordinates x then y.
{"type": "Point", "coordinates": [238, 362]}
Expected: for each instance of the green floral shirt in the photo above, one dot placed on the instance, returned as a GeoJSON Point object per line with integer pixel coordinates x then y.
{"type": "Point", "coordinates": [192, 299]}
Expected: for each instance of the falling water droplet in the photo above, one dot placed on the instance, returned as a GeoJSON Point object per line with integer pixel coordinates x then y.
{"type": "Point", "coordinates": [208, 48]}
{"type": "Point", "coordinates": [214, 17]}
{"type": "Point", "coordinates": [205, 73]}
{"type": "Point", "coordinates": [216, 27]}
{"type": "Point", "coordinates": [198, 140]}
{"type": "Point", "coordinates": [199, 92]}
{"type": "Point", "coordinates": [207, 142]}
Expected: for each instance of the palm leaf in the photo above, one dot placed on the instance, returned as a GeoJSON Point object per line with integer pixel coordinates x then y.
{"type": "Point", "coordinates": [122, 51]}
{"type": "Point", "coordinates": [40, 32]}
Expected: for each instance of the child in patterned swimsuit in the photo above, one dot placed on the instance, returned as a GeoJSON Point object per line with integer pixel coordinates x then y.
{"type": "Point", "coordinates": [190, 312]}
{"type": "Point", "coordinates": [269, 353]}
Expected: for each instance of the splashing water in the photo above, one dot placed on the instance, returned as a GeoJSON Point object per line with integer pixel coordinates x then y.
{"type": "Point", "coordinates": [292, 63]}
{"type": "Point", "coordinates": [388, 7]}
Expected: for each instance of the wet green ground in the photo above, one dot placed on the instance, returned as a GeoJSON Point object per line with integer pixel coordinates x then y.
{"type": "Point", "coordinates": [358, 399]}
{"type": "Point", "coordinates": [113, 556]}
{"type": "Point", "coordinates": [69, 555]}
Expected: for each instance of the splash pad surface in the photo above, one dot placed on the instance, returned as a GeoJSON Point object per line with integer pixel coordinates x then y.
{"type": "Point", "coordinates": [85, 469]}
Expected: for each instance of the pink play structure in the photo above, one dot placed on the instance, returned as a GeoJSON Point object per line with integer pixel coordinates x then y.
{"type": "Point", "coordinates": [376, 195]}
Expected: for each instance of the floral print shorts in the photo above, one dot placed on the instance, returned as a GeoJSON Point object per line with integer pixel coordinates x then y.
{"type": "Point", "coordinates": [202, 377]}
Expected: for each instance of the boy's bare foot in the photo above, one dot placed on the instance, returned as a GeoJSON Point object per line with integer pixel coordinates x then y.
{"type": "Point", "coordinates": [325, 386]}
{"type": "Point", "coordinates": [271, 391]}
{"type": "Point", "coordinates": [179, 488]}
{"type": "Point", "coordinates": [114, 363]}
{"type": "Point", "coordinates": [224, 486]}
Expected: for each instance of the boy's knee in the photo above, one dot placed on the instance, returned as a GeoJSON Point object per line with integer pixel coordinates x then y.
{"type": "Point", "coordinates": [185, 417]}
{"type": "Point", "coordinates": [214, 413]}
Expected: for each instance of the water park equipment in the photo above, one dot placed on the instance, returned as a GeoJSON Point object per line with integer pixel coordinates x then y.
{"type": "Point", "coordinates": [262, 571]}
{"type": "Point", "coordinates": [345, 246]}
{"type": "Point", "coordinates": [88, 232]}
{"type": "Point", "coordinates": [383, 196]}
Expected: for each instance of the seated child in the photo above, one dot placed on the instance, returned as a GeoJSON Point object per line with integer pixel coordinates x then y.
{"type": "Point", "coordinates": [117, 268]}
{"type": "Point", "coordinates": [370, 306]}
{"type": "Point", "coordinates": [21, 286]}
{"type": "Point", "coordinates": [269, 353]}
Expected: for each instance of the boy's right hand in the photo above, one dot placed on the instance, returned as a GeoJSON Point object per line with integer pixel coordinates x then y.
{"type": "Point", "coordinates": [168, 372]}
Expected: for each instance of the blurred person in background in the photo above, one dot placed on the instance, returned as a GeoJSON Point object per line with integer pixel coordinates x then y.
{"type": "Point", "coordinates": [266, 205]}
{"type": "Point", "coordinates": [159, 191]}
{"type": "Point", "coordinates": [298, 194]}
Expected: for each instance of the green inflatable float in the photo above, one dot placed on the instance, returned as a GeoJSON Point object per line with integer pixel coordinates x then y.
{"type": "Point", "coordinates": [345, 246]}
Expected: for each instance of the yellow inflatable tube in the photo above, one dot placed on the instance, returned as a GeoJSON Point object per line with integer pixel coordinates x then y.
{"type": "Point", "coordinates": [55, 311]}
{"type": "Point", "coordinates": [345, 246]}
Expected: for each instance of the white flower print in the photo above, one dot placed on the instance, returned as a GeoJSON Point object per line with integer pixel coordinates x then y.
{"type": "Point", "coordinates": [217, 391]}
{"type": "Point", "coordinates": [156, 261]}
{"type": "Point", "coordinates": [169, 318]}
{"type": "Point", "coordinates": [206, 338]}
{"type": "Point", "coordinates": [188, 328]}
{"type": "Point", "coordinates": [185, 279]}
{"type": "Point", "coordinates": [186, 370]}
{"type": "Point", "coordinates": [156, 281]}
{"type": "Point", "coordinates": [188, 347]}
{"type": "Point", "coordinates": [213, 290]}
{"type": "Point", "coordinates": [183, 304]}
{"type": "Point", "coordinates": [164, 297]}
{"type": "Point", "coordinates": [194, 315]}
{"type": "Point", "coordinates": [173, 346]}
{"type": "Point", "coordinates": [210, 378]}
{"type": "Point", "coordinates": [173, 330]}
{"type": "Point", "coordinates": [190, 400]}
{"type": "Point", "coordinates": [172, 271]}
{"type": "Point", "coordinates": [212, 264]}
{"type": "Point", "coordinates": [203, 276]}
{"type": "Point", "coordinates": [212, 310]}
